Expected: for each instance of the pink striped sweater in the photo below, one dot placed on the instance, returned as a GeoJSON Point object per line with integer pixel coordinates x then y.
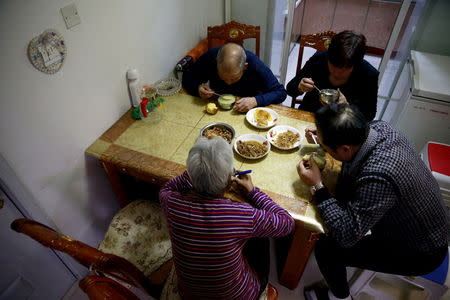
{"type": "Point", "coordinates": [208, 235]}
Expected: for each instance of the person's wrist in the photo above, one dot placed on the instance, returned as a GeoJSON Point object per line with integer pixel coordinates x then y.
{"type": "Point", "coordinates": [250, 189]}
{"type": "Point", "coordinates": [255, 101]}
{"type": "Point", "coordinates": [315, 187]}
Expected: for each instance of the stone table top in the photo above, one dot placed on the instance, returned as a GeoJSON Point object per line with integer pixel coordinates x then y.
{"type": "Point", "coordinates": [158, 148]}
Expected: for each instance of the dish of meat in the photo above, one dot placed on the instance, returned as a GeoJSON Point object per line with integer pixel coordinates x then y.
{"type": "Point", "coordinates": [223, 130]}
{"type": "Point", "coordinates": [252, 146]}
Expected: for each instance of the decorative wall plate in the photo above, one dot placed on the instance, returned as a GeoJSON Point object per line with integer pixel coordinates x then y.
{"type": "Point", "coordinates": [47, 51]}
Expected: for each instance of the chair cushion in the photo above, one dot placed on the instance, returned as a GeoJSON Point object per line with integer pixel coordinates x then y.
{"type": "Point", "coordinates": [170, 290]}
{"type": "Point", "coordinates": [199, 49]}
{"type": "Point", "coordinates": [192, 56]}
{"type": "Point", "coordinates": [139, 234]}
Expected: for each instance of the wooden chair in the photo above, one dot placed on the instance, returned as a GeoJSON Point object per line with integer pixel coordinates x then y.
{"type": "Point", "coordinates": [318, 41]}
{"type": "Point", "coordinates": [233, 32]}
{"type": "Point", "coordinates": [218, 36]}
{"type": "Point", "coordinates": [135, 252]}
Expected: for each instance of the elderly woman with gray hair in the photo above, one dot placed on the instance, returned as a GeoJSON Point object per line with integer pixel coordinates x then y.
{"type": "Point", "coordinates": [210, 234]}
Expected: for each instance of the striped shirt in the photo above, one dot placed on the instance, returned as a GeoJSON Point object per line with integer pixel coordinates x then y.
{"type": "Point", "coordinates": [208, 235]}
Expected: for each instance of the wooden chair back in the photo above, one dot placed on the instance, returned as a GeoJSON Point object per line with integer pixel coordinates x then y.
{"type": "Point", "coordinates": [109, 264]}
{"type": "Point", "coordinates": [318, 41]}
{"type": "Point", "coordinates": [233, 32]}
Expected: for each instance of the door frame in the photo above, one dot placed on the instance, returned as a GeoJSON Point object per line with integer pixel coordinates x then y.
{"type": "Point", "coordinates": [25, 203]}
{"type": "Point", "coordinates": [287, 40]}
{"type": "Point", "coordinates": [393, 37]}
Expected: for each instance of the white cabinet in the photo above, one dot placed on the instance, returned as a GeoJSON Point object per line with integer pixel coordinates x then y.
{"type": "Point", "coordinates": [426, 112]}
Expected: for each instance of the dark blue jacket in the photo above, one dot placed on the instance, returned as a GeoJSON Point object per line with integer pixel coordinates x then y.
{"type": "Point", "coordinates": [257, 81]}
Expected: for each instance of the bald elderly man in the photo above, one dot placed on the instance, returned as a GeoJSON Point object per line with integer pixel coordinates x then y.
{"type": "Point", "coordinates": [232, 70]}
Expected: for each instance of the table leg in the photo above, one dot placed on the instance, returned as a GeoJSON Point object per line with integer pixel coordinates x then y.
{"type": "Point", "coordinates": [299, 250]}
{"type": "Point", "coordinates": [118, 187]}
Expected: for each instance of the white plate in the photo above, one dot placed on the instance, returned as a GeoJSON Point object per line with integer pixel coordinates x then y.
{"type": "Point", "coordinates": [250, 116]}
{"type": "Point", "coordinates": [273, 133]}
{"type": "Point", "coordinates": [251, 137]}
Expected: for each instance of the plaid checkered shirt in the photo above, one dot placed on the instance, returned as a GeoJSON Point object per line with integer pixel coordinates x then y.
{"type": "Point", "coordinates": [387, 191]}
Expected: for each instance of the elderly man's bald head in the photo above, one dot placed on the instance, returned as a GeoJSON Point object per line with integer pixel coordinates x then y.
{"type": "Point", "coordinates": [231, 62]}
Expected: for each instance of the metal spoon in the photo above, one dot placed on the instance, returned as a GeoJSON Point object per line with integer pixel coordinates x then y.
{"type": "Point", "coordinates": [317, 88]}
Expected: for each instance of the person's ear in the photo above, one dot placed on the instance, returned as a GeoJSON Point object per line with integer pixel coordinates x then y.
{"type": "Point", "coordinates": [245, 66]}
{"type": "Point", "coordinates": [345, 152]}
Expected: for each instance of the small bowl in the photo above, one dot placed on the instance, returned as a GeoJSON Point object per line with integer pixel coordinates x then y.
{"type": "Point", "coordinates": [219, 124]}
{"type": "Point", "coordinates": [167, 87]}
{"type": "Point", "coordinates": [226, 101]}
{"type": "Point", "coordinates": [329, 95]}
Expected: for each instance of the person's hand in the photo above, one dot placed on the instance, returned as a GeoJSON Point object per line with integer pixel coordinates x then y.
{"type": "Point", "coordinates": [244, 182]}
{"type": "Point", "coordinates": [306, 85]}
{"type": "Point", "coordinates": [245, 104]}
{"type": "Point", "coordinates": [309, 132]}
{"type": "Point", "coordinates": [205, 92]}
{"type": "Point", "coordinates": [342, 99]}
{"type": "Point", "coordinates": [311, 176]}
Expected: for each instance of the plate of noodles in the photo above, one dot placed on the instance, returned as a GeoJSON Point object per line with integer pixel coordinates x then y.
{"type": "Point", "coordinates": [284, 137]}
{"type": "Point", "coordinates": [251, 146]}
{"type": "Point", "coordinates": [262, 117]}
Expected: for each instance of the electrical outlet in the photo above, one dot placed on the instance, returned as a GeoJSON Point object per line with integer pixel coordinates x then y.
{"type": "Point", "coordinates": [70, 15]}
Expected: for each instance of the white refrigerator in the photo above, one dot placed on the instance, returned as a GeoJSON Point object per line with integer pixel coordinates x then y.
{"type": "Point", "coordinates": [425, 115]}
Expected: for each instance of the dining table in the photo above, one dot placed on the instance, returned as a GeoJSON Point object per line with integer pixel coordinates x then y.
{"type": "Point", "coordinates": [155, 150]}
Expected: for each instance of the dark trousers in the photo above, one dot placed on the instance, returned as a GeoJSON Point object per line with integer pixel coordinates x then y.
{"type": "Point", "coordinates": [373, 255]}
{"type": "Point", "coordinates": [257, 252]}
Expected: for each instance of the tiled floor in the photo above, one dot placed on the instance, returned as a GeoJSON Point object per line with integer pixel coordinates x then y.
{"type": "Point", "coordinates": [75, 293]}
{"type": "Point", "coordinates": [310, 276]}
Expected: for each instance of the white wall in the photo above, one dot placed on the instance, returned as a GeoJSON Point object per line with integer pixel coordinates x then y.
{"type": "Point", "coordinates": [434, 36]}
{"type": "Point", "coordinates": [253, 12]}
{"type": "Point", "coordinates": [48, 121]}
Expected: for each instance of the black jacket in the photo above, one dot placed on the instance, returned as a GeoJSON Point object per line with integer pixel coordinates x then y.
{"type": "Point", "coordinates": [361, 88]}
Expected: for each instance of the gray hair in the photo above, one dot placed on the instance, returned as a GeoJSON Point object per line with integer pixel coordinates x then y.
{"type": "Point", "coordinates": [210, 165]}
{"type": "Point", "coordinates": [239, 60]}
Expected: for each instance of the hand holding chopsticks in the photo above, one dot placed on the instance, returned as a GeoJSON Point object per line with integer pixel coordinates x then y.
{"type": "Point", "coordinates": [310, 134]}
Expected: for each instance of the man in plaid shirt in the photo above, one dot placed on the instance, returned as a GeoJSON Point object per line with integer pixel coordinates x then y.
{"type": "Point", "coordinates": [387, 213]}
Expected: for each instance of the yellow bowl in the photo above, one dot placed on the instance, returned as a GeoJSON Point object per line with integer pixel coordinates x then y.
{"type": "Point", "coordinates": [226, 101]}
